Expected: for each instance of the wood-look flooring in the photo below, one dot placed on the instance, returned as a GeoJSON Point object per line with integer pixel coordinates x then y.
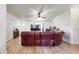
{"type": "Point", "coordinates": [14, 47]}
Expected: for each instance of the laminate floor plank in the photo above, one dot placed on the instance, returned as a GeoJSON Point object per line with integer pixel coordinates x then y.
{"type": "Point", "coordinates": [14, 47]}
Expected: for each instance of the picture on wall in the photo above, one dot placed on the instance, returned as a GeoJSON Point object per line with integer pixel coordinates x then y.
{"type": "Point", "coordinates": [36, 27]}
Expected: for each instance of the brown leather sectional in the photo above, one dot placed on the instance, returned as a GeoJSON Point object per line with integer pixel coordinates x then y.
{"type": "Point", "coordinates": [41, 38]}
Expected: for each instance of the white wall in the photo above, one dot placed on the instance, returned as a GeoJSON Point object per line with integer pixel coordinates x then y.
{"type": "Point", "coordinates": [69, 22]}
{"type": "Point", "coordinates": [11, 25]}
{"type": "Point", "coordinates": [3, 28]}
{"type": "Point", "coordinates": [75, 23]}
{"type": "Point", "coordinates": [63, 22]}
{"type": "Point", "coordinates": [24, 25]}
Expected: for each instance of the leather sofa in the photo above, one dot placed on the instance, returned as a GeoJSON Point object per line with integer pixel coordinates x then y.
{"type": "Point", "coordinates": [58, 38]}
{"type": "Point", "coordinates": [47, 38]}
{"type": "Point", "coordinates": [37, 38]}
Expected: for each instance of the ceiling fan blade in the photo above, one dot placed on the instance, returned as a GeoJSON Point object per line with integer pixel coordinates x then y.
{"type": "Point", "coordinates": [43, 17]}
{"type": "Point", "coordinates": [41, 9]}
{"type": "Point", "coordinates": [31, 16]}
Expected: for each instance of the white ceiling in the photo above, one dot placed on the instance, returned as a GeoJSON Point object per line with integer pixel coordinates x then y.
{"type": "Point", "coordinates": [25, 11]}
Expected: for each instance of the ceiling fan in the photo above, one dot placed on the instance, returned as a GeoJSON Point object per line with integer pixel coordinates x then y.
{"type": "Point", "coordinates": [41, 10]}
{"type": "Point", "coordinates": [38, 14]}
